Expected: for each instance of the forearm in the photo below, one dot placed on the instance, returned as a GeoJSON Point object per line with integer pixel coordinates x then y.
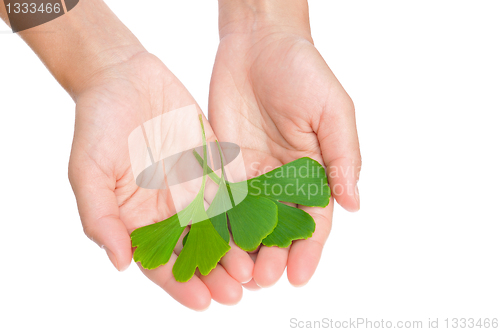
{"type": "Point", "coordinates": [80, 43]}
{"type": "Point", "coordinates": [268, 16]}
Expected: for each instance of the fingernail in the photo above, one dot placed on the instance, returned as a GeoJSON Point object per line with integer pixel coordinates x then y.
{"type": "Point", "coordinates": [111, 257]}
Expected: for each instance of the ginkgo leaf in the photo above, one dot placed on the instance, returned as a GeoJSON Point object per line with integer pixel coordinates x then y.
{"type": "Point", "coordinates": [219, 222]}
{"type": "Point", "coordinates": [156, 242]}
{"type": "Point", "coordinates": [222, 201]}
{"type": "Point", "coordinates": [259, 218]}
{"type": "Point", "coordinates": [194, 211]}
{"type": "Point", "coordinates": [293, 224]}
{"type": "Point", "coordinates": [302, 181]}
{"type": "Point", "coordinates": [252, 220]}
{"type": "Point", "coordinates": [203, 249]}
{"type": "Point", "coordinates": [203, 246]}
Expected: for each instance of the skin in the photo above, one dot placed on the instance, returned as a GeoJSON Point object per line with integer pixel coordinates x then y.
{"type": "Point", "coordinates": [111, 205]}
{"type": "Point", "coordinates": [273, 94]}
{"type": "Point", "coordinates": [117, 85]}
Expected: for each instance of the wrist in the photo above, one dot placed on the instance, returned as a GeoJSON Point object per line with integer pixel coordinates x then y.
{"type": "Point", "coordinates": [261, 17]}
{"type": "Point", "coordinates": [80, 44]}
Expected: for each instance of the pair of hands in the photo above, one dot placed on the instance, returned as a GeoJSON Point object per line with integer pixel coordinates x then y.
{"type": "Point", "coordinates": [272, 94]}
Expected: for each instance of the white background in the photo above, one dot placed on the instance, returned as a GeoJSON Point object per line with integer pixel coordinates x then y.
{"type": "Point", "coordinates": [424, 76]}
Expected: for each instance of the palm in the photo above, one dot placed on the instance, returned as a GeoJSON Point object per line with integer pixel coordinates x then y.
{"type": "Point", "coordinates": [129, 98]}
{"type": "Point", "coordinates": [122, 99]}
{"type": "Point", "coordinates": [269, 98]}
{"type": "Point", "coordinates": [261, 99]}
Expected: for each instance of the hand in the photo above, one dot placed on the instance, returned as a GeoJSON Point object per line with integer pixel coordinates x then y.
{"type": "Point", "coordinates": [115, 101]}
{"type": "Point", "coordinates": [273, 94]}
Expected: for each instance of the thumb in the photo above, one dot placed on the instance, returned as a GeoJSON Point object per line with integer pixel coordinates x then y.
{"type": "Point", "coordinates": [99, 212]}
{"type": "Point", "coordinates": [338, 139]}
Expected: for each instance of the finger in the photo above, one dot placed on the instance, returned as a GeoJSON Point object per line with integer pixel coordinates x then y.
{"type": "Point", "coordinates": [252, 285]}
{"type": "Point", "coordinates": [304, 255]}
{"type": "Point", "coordinates": [339, 144]}
{"type": "Point", "coordinates": [238, 263]}
{"type": "Point", "coordinates": [223, 288]}
{"type": "Point", "coordinates": [99, 212]}
{"type": "Point", "coordinates": [193, 294]}
{"type": "Point", "coordinates": [270, 265]}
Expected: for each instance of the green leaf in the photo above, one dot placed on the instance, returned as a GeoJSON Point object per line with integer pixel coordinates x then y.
{"type": "Point", "coordinates": [219, 222]}
{"type": "Point", "coordinates": [293, 224]}
{"type": "Point", "coordinates": [195, 211]}
{"type": "Point", "coordinates": [156, 242]}
{"type": "Point", "coordinates": [252, 220]}
{"type": "Point", "coordinates": [203, 250]}
{"type": "Point", "coordinates": [222, 201]}
{"type": "Point", "coordinates": [302, 181]}
{"type": "Point", "coordinates": [259, 218]}
{"type": "Point", "coordinates": [204, 247]}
